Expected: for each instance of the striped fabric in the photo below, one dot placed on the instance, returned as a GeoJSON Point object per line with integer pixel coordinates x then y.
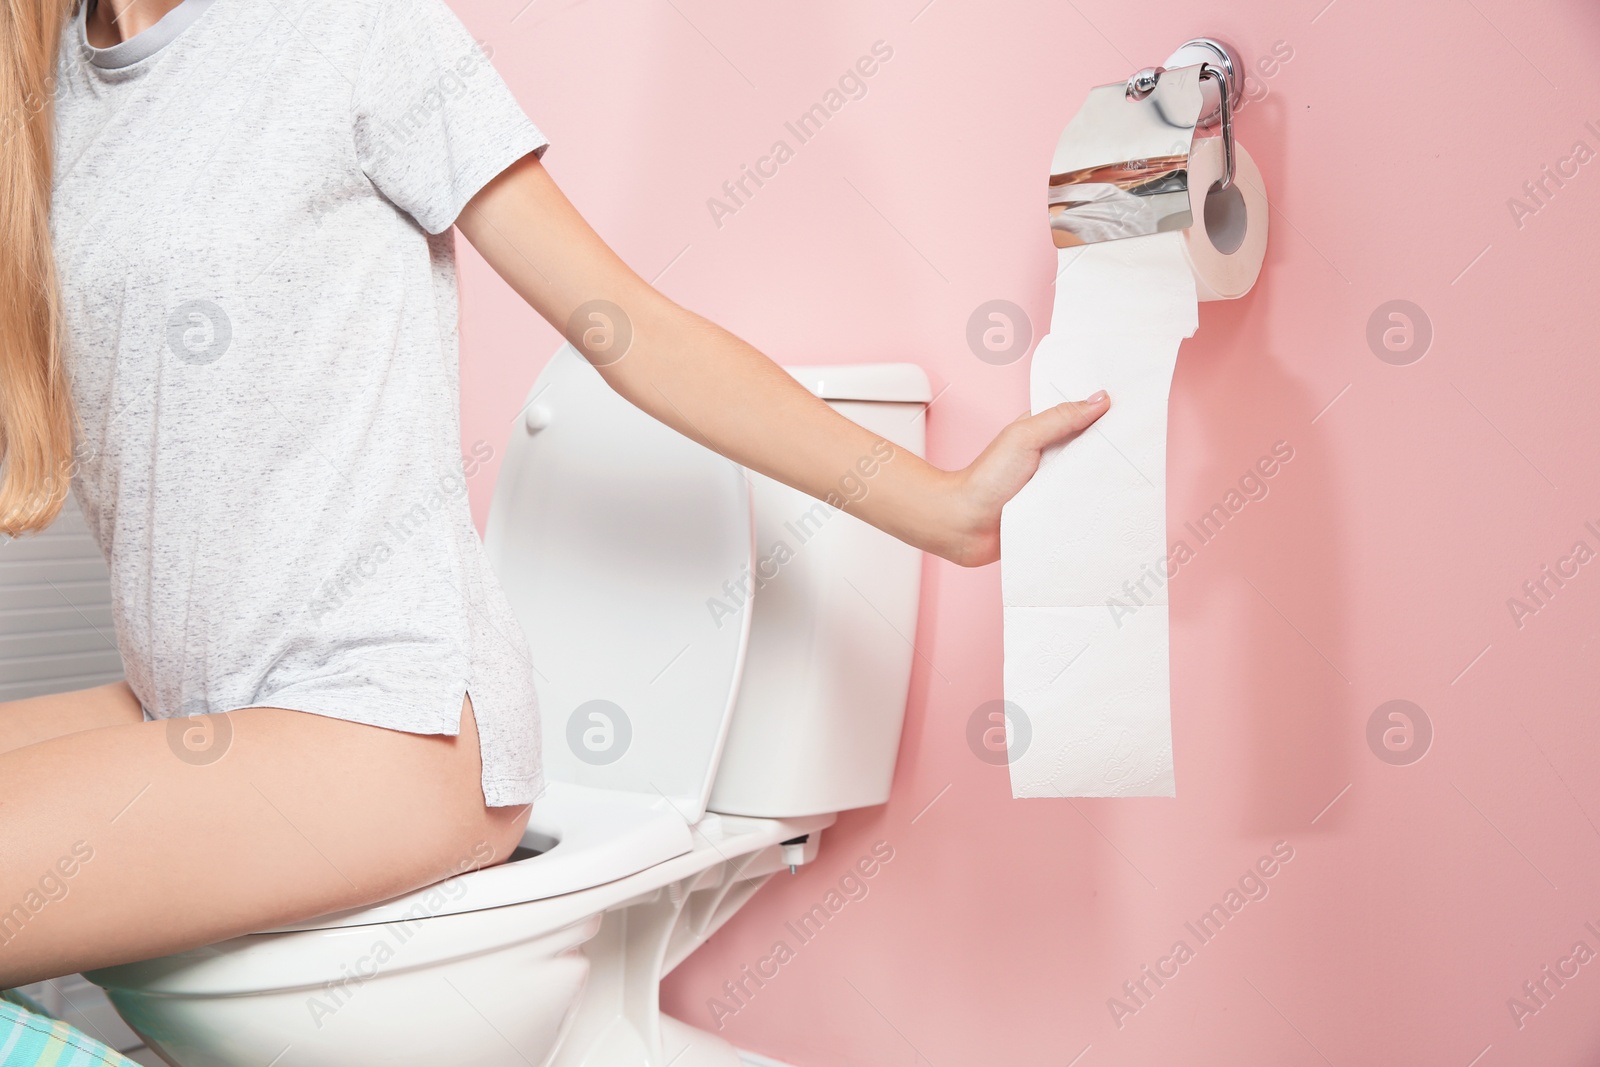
{"type": "Point", "coordinates": [29, 1038]}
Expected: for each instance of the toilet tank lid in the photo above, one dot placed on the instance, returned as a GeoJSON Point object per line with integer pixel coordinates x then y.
{"type": "Point", "coordinates": [883, 382]}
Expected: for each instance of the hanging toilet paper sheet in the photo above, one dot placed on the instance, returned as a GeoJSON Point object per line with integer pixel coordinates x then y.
{"type": "Point", "coordinates": [1083, 546]}
{"type": "Point", "coordinates": [1084, 553]}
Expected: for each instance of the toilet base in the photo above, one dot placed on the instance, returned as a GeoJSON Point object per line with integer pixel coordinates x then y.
{"type": "Point", "coordinates": [618, 1018]}
{"type": "Point", "coordinates": [508, 1006]}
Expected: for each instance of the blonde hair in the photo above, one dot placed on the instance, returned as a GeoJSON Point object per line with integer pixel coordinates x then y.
{"type": "Point", "coordinates": [37, 420]}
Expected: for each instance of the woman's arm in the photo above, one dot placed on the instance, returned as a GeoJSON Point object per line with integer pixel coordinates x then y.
{"type": "Point", "coordinates": [707, 384]}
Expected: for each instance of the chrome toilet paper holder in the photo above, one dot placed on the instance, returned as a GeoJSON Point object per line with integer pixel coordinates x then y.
{"type": "Point", "coordinates": [1121, 167]}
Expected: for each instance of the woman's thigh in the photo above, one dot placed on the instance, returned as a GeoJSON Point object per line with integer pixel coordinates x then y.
{"type": "Point", "coordinates": [138, 840]}
{"type": "Point", "coordinates": [27, 722]}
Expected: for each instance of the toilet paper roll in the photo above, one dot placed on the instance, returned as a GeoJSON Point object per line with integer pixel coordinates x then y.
{"type": "Point", "coordinates": [1084, 554]}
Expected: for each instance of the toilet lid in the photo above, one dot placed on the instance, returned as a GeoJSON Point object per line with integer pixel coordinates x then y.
{"type": "Point", "coordinates": [621, 545]}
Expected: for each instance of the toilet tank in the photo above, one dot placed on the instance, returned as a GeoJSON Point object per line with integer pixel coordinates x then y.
{"type": "Point", "coordinates": [833, 616]}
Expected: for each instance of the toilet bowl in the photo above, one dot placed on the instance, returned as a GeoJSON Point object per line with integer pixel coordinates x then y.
{"type": "Point", "coordinates": [723, 665]}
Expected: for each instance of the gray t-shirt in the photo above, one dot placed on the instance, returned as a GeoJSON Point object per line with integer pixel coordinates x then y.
{"type": "Point", "coordinates": [252, 217]}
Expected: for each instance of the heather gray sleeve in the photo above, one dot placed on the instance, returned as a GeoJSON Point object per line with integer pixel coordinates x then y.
{"type": "Point", "coordinates": [434, 121]}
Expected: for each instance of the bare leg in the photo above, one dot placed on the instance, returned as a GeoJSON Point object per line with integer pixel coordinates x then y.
{"type": "Point", "coordinates": [27, 722]}
{"type": "Point", "coordinates": [303, 815]}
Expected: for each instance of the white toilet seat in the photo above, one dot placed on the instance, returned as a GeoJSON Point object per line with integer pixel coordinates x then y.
{"type": "Point", "coordinates": [584, 837]}
{"type": "Point", "coordinates": [435, 929]}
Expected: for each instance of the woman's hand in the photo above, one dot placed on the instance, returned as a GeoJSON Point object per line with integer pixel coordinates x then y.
{"type": "Point", "coordinates": [1000, 472]}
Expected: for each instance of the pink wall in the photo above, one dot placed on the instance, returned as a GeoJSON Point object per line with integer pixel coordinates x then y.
{"type": "Point", "coordinates": [1420, 498]}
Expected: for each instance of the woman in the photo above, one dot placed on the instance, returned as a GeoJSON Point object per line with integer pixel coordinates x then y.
{"type": "Point", "coordinates": [228, 319]}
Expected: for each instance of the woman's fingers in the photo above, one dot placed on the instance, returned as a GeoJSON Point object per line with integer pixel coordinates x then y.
{"type": "Point", "coordinates": [1054, 425]}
